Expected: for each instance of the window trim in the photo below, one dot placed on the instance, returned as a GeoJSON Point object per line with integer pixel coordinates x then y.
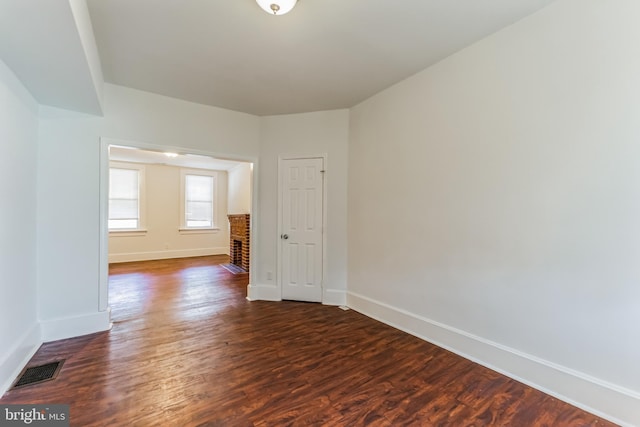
{"type": "Point", "coordinates": [183, 228]}
{"type": "Point", "coordinates": [142, 211]}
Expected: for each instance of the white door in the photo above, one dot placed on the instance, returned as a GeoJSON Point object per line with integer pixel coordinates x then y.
{"type": "Point", "coordinates": [301, 191]}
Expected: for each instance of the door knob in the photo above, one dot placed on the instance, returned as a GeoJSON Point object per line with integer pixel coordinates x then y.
{"type": "Point", "coordinates": [284, 236]}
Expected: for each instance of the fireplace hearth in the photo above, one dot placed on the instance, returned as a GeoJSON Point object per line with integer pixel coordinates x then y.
{"type": "Point", "coordinates": [239, 243]}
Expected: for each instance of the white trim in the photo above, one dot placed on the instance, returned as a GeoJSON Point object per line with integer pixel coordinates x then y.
{"type": "Point", "coordinates": [168, 254]}
{"type": "Point", "coordinates": [609, 401]}
{"type": "Point", "coordinates": [278, 278]}
{"type": "Point", "coordinates": [253, 226]}
{"type": "Point", "coordinates": [18, 357]}
{"type": "Point", "coordinates": [75, 326]}
{"type": "Point", "coordinates": [252, 292]}
{"type": "Point", "coordinates": [263, 293]}
{"type": "Point", "coordinates": [127, 233]}
{"type": "Point", "coordinates": [334, 297]}
{"type": "Point", "coordinates": [103, 218]}
{"type": "Point", "coordinates": [210, 230]}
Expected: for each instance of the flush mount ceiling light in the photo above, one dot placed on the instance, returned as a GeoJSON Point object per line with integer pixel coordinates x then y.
{"type": "Point", "coordinates": [277, 7]}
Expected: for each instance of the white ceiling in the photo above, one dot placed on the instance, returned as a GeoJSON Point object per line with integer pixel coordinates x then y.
{"type": "Point", "coordinates": [40, 41]}
{"type": "Point", "coordinates": [185, 160]}
{"type": "Point", "coordinates": [325, 54]}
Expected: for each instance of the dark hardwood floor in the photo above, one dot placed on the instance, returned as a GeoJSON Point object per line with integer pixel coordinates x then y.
{"type": "Point", "coordinates": [187, 349]}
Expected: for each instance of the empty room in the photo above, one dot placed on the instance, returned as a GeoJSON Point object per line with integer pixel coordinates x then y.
{"type": "Point", "coordinates": [320, 212]}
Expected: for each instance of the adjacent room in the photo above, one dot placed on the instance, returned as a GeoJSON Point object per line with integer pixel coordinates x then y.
{"type": "Point", "coordinates": [321, 212]}
{"type": "Point", "coordinates": [163, 204]}
{"type": "Point", "coordinates": [191, 209]}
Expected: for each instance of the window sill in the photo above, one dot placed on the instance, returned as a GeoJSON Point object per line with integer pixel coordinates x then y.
{"type": "Point", "coordinates": [210, 230]}
{"type": "Point", "coordinates": [127, 233]}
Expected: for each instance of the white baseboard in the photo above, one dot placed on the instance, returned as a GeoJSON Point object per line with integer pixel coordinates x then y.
{"type": "Point", "coordinates": [263, 293]}
{"type": "Point", "coordinates": [606, 400]}
{"type": "Point", "coordinates": [75, 326]}
{"type": "Point", "coordinates": [334, 297]}
{"type": "Point", "coordinates": [168, 254]}
{"type": "Point", "coordinates": [18, 356]}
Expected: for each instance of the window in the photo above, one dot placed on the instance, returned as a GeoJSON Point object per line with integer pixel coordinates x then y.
{"type": "Point", "coordinates": [198, 203]}
{"type": "Point", "coordinates": [125, 198]}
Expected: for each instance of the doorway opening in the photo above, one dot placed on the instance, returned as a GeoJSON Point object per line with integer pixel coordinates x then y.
{"type": "Point", "coordinates": [181, 207]}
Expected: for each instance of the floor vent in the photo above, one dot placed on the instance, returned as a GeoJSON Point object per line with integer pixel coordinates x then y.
{"type": "Point", "coordinates": [38, 374]}
{"type": "Point", "coordinates": [234, 268]}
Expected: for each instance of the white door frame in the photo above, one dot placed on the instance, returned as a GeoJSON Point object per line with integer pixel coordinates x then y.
{"type": "Point", "coordinates": [103, 281]}
{"type": "Point", "coordinates": [324, 217]}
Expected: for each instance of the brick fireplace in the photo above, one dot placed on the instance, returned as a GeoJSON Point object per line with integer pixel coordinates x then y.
{"type": "Point", "coordinates": [239, 244]}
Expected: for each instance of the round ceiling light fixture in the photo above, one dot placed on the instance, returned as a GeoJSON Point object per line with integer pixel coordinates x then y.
{"type": "Point", "coordinates": [277, 7]}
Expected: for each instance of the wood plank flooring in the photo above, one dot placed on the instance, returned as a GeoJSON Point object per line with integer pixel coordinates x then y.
{"type": "Point", "coordinates": [187, 349]}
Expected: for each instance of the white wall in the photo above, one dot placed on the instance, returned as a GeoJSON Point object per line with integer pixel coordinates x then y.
{"type": "Point", "coordinates": [68, 191]}
{"type": "Point", "coordinates": [68, 194]}
{"type": "Point", "coordinates": [19, 329]}
{"type": "Point", "coordinates": [240, 189]}
{"type": "Point", "coordinates": [494, 203]}
{"type": "Point", "coordinates": [318, 133]}
{"type": "Point", "coordinates": [163, 238]}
